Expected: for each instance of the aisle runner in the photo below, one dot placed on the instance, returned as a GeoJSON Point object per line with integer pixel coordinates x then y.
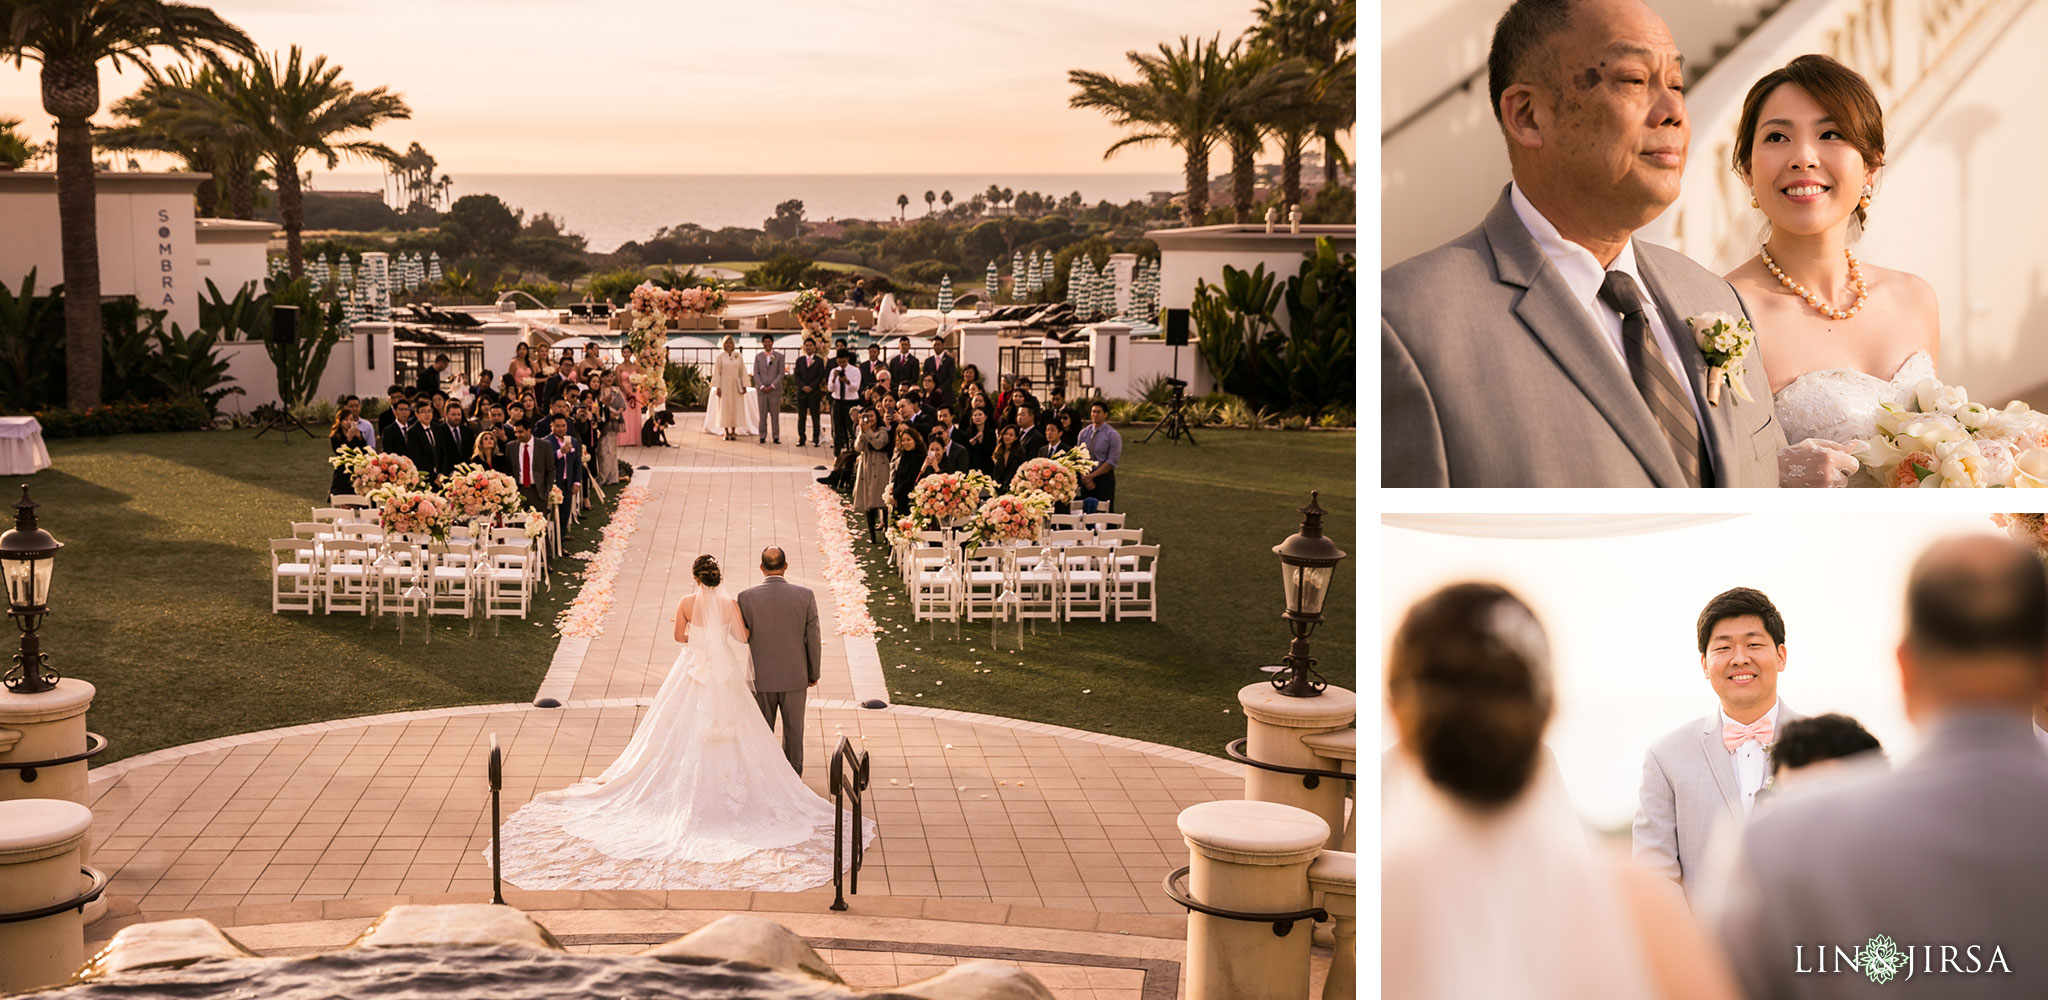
{"type": "Point", "coordinates": [849, 597]}
{"type": "Point", "coordinates": [585, 617]}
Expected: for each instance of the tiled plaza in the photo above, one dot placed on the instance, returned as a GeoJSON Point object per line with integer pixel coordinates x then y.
{"type": "Point", "coordinates": [982, 820]}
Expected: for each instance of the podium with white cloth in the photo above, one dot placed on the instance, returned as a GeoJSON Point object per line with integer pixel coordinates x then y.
{"type": "Point", "coordinates": [21, 447]}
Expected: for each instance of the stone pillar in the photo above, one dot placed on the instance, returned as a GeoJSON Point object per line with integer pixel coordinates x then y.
{"type": "Point", "coordinates": [45, 726]}
{"type": "Point", "coordinates": [1276, 725]}
{"type": "Point", "coordinates": [978, 348]}
{"type": "Point", "coordinates": [1335, 875]}
{"type": "Point", "coordinates": [1109, 352]}
{"type": "Point", "coordinates": [42, 842]}
{"type": "Point", "coordinates": [1251, 857]}
{"type": "Point", "coordinates": [1123, 267]}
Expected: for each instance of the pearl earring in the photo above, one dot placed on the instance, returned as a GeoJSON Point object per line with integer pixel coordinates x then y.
{"type": "Point", "coordinates": [1864, 202]}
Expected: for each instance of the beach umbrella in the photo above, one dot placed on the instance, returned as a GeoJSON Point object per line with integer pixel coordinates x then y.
{"type": "Point", "coordinates": [434, 268]}
{"type": "Point", "coordinates": [945, 294]}
{"type": "Point", "coordinates": [1074, 271]}
{"type": "Point", "coordinates": [345, 275]}
{"type": "Point", "coordinates": [1017, 276]}
{"type": "Point", "coordinates": [320, 273]}
{"type": "Point", "coordinates": [1033, 278]}
{"type": "Point", "coordinates": [1102, 288]}
{"type": "Point", "coordinates": [993, 281]}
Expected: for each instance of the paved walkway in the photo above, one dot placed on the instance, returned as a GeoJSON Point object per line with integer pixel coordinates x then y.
{"type": "Point", "coordinates": [971, 809]}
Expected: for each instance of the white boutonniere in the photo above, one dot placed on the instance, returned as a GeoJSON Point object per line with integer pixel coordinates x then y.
{"type": "Point", "coordinates": [1724, 341]}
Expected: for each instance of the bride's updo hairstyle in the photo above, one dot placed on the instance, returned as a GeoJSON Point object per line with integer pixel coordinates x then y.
{"type": "Point", "coordinates": [705, 569]}
{"type": "Point", "coordinates": [1840, 91]}
{"type": "Point", "coordinates": [1468, 680]}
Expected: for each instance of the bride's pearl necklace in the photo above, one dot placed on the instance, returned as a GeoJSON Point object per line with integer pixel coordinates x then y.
{"type": "Point", "coordinates": [1812, 298]}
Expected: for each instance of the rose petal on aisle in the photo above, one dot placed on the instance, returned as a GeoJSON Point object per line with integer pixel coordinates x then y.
{"type": "Point", "coordinates": [842, 567]}
{"type": "Point", "coordinates": [585, 616]}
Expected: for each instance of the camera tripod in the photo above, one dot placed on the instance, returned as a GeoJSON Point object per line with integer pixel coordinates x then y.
{"type": "Point", "coordinates": [1175, 423]}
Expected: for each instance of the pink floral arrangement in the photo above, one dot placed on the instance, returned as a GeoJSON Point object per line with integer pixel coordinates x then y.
{"type": "Point", "coordinates": [384, 469]}
{"type": "Point", "coordinates": [675, 303]}
{"type": "Point", "coordinates": [903, 531]}
{"type": "Point", "coordinates": [554, 496]}
{"type": "Point", "coordinates": [812, 310]}
{"type": "Point", "coordinates": [415, 512]}
{"type": "Point", "coordinates": [2030, 530]}
{"type": "Point", "coordinates": [1012, 517]}
{"type": "Point", "coordinates": [1047, 476]}
{"type": "Point", "coordinates": [536, 525]}
{"type": "Point", "coordinates": [948, 496]}
{"type": "Point", "coordinates": [479, 493]}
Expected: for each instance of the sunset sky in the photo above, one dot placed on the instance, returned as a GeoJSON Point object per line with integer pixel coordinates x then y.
{"type": "Point", "coordinates": [774, 86]}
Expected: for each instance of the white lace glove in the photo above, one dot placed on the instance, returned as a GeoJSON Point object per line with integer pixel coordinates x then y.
{"type": "Point", "coordinates": [1816, 462]}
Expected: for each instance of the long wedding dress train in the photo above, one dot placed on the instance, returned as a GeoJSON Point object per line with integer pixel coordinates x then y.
{"type": "Point", "coordinates": [702, 797]}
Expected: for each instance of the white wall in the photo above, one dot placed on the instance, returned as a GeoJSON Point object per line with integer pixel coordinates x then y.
{"type": "Point", "coordinates": [253, 371]}
{"type": "Point", "coordinates": [146, 240]}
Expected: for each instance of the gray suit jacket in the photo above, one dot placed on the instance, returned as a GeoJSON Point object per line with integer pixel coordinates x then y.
{"type": "Point", "coordinates": [1946, 850]}
{"type": "Point", "coordinates": [768, 370]}
{"type": "Point", "coordinates": [1689, 785]}
{"type": "Point", "coordinates": [1491, 375]}
{"type": "Point", "coordinates": [782, 627]}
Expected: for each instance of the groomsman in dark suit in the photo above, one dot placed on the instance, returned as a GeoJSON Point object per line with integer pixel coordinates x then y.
{"type": "Point", "coordinates": [873, 364]}
{"type": "Point", "coordinates": [530, 462]}
{"type": "Point", "coordinates": [810, 391]}
{"type": "Point", "coordinates": [957, 457]}
{"type": "Point", "coordinates": [453, 440]}
{"type": "Point", "coordinates": [569, 472]}
{"type": "Point", "coordinates": [904, 367]}
{"type": "Point", "coordinates": [1030, 440]}
{"type": "Point", "coordinates": [945, 371]}
{"type": "Point", "coordinates": [408, 437]}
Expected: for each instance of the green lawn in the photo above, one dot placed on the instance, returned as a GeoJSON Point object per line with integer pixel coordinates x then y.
{"type": "Point", "coordinates": [748, 265]}
{"type": "Point", "coordinates": [1216, 510]}
{"type": "Point", "coordinates": [161, 598]}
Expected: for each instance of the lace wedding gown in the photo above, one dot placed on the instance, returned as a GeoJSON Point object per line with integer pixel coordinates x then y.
{"type": "Point", "coordinates": [702, 798]}
{"type": "Point", "coordinates": [1842, 404]}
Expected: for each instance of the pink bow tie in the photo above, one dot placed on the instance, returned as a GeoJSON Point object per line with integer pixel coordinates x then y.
{"type": "Point", "coordinates": [1733, 734]}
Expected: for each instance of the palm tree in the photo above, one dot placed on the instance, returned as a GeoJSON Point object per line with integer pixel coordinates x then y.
{"type": "Point", "coordinates": [993, 196]}
{"type": "Point", "coordinates": [1178, 98]}
{"type": "Point", "coordinates": [70, 38]}
{"type": "Point", "coordinates": [1323, 33]}
{"type": "Point", "coordinates": [902, 206]}
{"type": "Point", "coordinates": [929, 198]}
{"type": "Point", "coordinates": [1266, 87]}
{"type": "Point", "coordinates": [15, 151]}
{"type": "Point", "coordinates": [297, 108]}
{"type": "Point", "coordinates": [171, 114]}
{"type": "Point", "coordinates": [946, 198]}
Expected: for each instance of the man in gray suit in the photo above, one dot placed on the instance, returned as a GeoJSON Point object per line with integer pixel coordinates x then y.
{"type": "Point", "coordinates": [1706, 773]}
{"type": "Point", "coordinates": [1942, 858]}
{"type": "Point", "coordinates": [782, 627]}
{"type": "Point", "coordinates": [1547, 347]}
{"type": "Point", "coordinates": [768, 388]}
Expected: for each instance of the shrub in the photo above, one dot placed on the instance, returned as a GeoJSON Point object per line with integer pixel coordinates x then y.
{"type": "Point", "coordinates": [614, 286]}
{"type": "Point", "coordinates": [926, 271]}
{"type": "Point", "coordinates": [124, 418]}
{"type": "Point", "coordinates": [783, 273]}
{"type": "Point", "coordinates": [687, 387]}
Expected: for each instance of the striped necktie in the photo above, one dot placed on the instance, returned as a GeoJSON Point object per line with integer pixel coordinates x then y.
{"type": "Point", "coordinates": [1653, 378]}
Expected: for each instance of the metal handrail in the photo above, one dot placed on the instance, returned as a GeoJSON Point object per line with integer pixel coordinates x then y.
{"type": "Point", "coordinates": [1310, 776]}
{"type": "Point", "coordinates": [94, 743]}
{"type": "Point", "coordinates": [1462, 86]}
{"type": "Point", "coordinates": [497, 776]}
{"type": "Point", "coordinates": [78, 902]}
{"type": "Point", "coordinates": [1283, 923]}
{"type": "Point", "coordinates": [849, 778]}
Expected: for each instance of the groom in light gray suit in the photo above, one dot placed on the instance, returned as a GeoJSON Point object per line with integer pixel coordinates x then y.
{"type": "Point", "coordinates": [1706, 773]}
{"type": "Point", "coordinates": [1943, 856]}
{"type": "Point", "coordinates": [782, 633]}
{"type": "Point", "coordinates": [1548, 347]}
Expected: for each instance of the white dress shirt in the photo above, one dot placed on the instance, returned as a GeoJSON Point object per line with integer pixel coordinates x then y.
{"type": "Point", "coordinates": [1752, 760]}
{"type": "Point", "coordinates": [1583, 274]}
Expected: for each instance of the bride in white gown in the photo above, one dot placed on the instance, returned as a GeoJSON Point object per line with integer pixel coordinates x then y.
{"type": "Point", "coordinates": [1841, 338]}
{"type": "Point", "coordinates": [700, 799]}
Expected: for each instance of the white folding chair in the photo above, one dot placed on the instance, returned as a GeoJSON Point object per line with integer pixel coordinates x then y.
{"type": "Point", "coordinates": [1067, 538]}
{"type": "Point", "coordinates": [294, 577]}
{"type": "Point", "coordinates": [346, 500]}
{"type": "Point", "coordinates": [360, 532]}
{"type": "Point", "coordinates": [1099, 521]}
{"type": "Point", "coordinates": [934, 585]}
{"type": "Point", "coordinates": [1036, 581]}
{"type": "Point", "coordinates": [1134, 585]}
{"type": "Point", "coordinates": [1065, 522]}
{"type": "Point", "coordinates": [1084, 581]}
{"type": "Point", "coordinates": [346, 573]}
{"type": "Point", "coordinates": [508, 581]}
{"type": "Point", "coordinates": [331, 515]}
{"type": "Point", "coordinates": [452, 576]}
{"type": "Point", "coordinates": [1116, 538]}
{"type": "Point", "coordinates": [983, 578]}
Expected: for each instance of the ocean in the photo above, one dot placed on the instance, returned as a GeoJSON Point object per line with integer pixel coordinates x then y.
{"type": "Point", "coordinates": [610, 209]}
